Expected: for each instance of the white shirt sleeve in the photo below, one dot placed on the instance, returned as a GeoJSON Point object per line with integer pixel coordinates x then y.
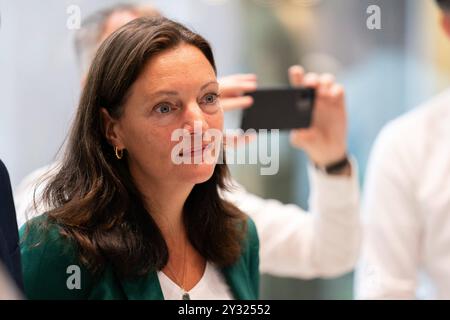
{"type": "Point", "coordinates": [390, 254]}
{"type": "Point", "coordinates": [294, 243]}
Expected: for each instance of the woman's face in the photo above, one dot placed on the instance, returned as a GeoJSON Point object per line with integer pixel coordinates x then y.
{"type": "Point", "coordinates": [177, 90]}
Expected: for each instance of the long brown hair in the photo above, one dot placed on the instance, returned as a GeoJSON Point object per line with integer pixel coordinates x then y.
{"type": "Point", "coordinates": [93, 195]}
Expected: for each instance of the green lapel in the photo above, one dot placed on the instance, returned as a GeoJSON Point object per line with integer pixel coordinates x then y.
{"type": "Point", "coordinates": [238, 278]}
{"type": "Point", "coordinates": [143, 288]}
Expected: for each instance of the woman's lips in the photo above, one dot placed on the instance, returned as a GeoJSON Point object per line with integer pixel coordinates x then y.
{"type": "Point", "coordinates": [198, 151]}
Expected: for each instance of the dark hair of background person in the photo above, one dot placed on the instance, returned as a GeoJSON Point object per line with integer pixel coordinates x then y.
{"type": "Point", "coordinates": [88, 38]}
{"type": "Point", "coordinates": [444, 5]}
{"type": "Point", "coordinates": [95, 201]}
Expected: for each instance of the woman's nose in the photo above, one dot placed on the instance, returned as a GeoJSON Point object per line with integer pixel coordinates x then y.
{"type": "Point", "coordinates": [194, 118]}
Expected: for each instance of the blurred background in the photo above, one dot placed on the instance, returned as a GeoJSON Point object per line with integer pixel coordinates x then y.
{"type": "Point", "coordinates": [386, 72]}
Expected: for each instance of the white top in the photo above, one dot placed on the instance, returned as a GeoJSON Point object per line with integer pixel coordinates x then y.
{"type": "Point", "coordinates": [407, 208]}
{"type": "Point", "coordinates": [323, 242]}
{"type": "Point", "coordinates": [212, 286]}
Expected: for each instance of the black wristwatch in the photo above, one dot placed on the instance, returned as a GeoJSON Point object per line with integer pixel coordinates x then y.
{"type": "Point", "coordinates": [335, 167]}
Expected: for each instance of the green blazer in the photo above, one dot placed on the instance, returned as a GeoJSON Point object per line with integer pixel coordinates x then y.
{"type": "Point", "coordinates": [46, 261]}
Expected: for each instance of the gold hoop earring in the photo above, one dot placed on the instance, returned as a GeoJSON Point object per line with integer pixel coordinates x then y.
{"type": "Point", "coordinates": [119, 153]}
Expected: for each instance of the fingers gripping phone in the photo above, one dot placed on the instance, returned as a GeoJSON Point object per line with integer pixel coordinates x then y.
{"type": "Point", "coordinates": [279, 108]}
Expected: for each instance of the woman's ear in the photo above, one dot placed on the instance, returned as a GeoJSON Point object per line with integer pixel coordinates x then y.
{"type": "Point", "coordinates": [445, 22]}
{"type": "Point", "coordinates": [111, 130]}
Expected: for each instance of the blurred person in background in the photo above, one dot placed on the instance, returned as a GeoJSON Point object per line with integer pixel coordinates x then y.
{"type": "Point", "coordinates": [10, 270]}
{"type": "Point", "coordinates": [406, 206]}
{"type": "Point", "coordinates": [293, 243]}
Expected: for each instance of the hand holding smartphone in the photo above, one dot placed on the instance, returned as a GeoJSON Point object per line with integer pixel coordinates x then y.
{"type": "Point", "coordinates": [279, 108]}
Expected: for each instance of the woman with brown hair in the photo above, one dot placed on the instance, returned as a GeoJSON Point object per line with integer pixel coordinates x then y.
{"type": "Point", "coordinates": [129, 222]}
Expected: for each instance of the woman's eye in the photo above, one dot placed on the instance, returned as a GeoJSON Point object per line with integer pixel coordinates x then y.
{"type": "Point", "coordinates": [163, 108]}
{"type": "Point", "coordinates": [210, 98]}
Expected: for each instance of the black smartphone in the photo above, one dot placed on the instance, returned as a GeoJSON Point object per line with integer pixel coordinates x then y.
{"type": "Point", "coordinates": [279, 108]}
